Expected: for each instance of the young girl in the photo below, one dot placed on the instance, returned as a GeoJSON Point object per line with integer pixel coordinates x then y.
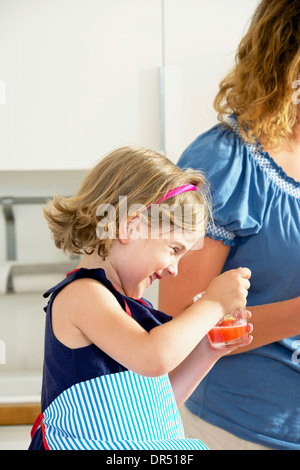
{"type": "Point", "coordinates": [116, 369]}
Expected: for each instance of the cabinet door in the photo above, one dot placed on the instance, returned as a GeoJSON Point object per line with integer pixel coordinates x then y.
{"type": "Point", "coordinates": [201, 38]}
{"type": "Point", "coordinates": [78, 78]}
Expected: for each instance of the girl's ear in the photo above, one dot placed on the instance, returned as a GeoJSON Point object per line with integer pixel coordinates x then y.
{"type": "Point", "coordinates": [127, 227]}
{"type": "Point", "coordinates": [123, 230]}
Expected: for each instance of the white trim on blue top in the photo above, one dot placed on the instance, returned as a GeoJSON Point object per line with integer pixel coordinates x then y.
{"type": "Point", "coordinates": [275, 173]}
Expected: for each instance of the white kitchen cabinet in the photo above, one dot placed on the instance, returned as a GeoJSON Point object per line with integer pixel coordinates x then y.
{"type": "Point", "coordinates": [77, 79]}
{"type": "Point", "coordinates": [81, 77]}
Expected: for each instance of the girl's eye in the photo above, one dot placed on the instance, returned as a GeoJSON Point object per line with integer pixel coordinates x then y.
{"type": "Point", "coordinates": [175, 250]}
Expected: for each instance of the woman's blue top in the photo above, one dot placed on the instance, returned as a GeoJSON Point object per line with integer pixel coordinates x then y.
{"type": "Point", "coordinates": [63, 366]}
{"type": "Point", "coordinates": [256, 210]}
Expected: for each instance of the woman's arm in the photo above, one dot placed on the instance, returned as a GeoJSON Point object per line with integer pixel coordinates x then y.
{"type": "Point", "coordinates": [195, 271]}
{"type": "Point", "coordinates": [271, 322]}
{"type": "Point", "coordinates": [274, 322]}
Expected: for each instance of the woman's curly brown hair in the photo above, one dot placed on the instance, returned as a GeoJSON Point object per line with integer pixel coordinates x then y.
{"type": "Point", "coordinates": [259, 89]}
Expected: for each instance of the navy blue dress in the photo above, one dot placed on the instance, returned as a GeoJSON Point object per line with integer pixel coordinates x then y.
{"type": "Point", "coordinates": [64, 367]}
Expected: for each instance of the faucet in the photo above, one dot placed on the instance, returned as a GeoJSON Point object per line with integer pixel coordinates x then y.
{"type": "Point", "coordinates": [2, 352]}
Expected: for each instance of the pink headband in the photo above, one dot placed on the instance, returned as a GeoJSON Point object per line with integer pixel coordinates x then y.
{"type": "Point", "coordinates": [175, 192]}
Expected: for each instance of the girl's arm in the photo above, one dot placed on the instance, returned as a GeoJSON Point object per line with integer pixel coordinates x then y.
{"type": "Point", "coordinates": [187, 375]}
{"type": "Point", "coordinates": [86, 307]}
{"type": "Point", "coordinates": [195, 272]}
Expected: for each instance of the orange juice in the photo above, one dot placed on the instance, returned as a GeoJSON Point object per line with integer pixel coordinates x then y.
{"type": "Point", "coordinates": [228, 331]}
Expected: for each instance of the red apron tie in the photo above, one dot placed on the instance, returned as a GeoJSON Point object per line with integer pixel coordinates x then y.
{"type": "Point", "coordinates": [36, 424]}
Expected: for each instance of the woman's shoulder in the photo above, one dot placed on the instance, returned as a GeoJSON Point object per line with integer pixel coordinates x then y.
{"type": "Point", "coordinates": [227, 162]}
{"type": "Point", "coordinates": [220, 142]}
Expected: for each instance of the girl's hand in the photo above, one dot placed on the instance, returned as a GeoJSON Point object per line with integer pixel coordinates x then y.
{"type": "Point", "coordinates": [230, 289]}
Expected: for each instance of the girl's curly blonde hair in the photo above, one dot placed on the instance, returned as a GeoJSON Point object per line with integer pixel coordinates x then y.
{"type": "Point", "coordinates": [259, 89]}
{"type": "Point", "coordinates": [141, 176]}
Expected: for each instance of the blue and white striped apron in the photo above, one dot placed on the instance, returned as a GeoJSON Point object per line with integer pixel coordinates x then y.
{"type": "Point", "coordinates": [122, 411]}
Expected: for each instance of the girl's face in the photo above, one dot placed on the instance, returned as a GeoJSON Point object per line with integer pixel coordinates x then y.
{"type": "Point", "coordinates": [140, 262]}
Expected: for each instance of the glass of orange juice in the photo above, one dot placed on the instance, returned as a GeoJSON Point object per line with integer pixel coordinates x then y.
{"type": "Point", "coordinates": [231, 330]}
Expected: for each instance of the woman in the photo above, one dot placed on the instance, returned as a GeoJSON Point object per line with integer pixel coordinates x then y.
{"type": "Point", "coordinates": [252, 161]}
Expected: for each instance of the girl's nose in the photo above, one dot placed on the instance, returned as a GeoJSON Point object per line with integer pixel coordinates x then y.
{"type": "Point", "coordinates": [173, 269]}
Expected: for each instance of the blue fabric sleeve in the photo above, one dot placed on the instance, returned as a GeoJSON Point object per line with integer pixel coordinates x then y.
{"type": "Point", "coordinates": [235, 185]}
